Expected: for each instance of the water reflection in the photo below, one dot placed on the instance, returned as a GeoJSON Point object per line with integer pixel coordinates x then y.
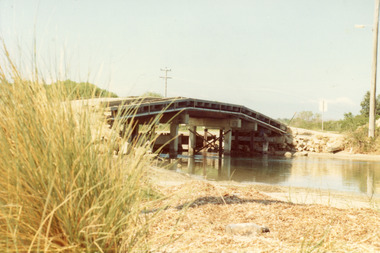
{"type": "Point", "coordinates": [320, 173]}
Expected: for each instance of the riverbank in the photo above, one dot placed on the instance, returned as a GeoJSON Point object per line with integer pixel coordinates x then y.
{"type": "Point", "coordinates": [298, 219]}
{"type": "Point", "coordinates": [325, 145]}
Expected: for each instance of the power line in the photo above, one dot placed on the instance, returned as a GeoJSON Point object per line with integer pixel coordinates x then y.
{"type": "Point", "coordinates": [166, 77]}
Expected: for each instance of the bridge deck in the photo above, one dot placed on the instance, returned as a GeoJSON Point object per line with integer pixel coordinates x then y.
{"type": "Point", "coordinates": [196, 108]}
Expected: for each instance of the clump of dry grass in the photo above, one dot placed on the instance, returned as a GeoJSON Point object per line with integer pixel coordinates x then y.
{"type": "Point", "coordinates": [61, 188]}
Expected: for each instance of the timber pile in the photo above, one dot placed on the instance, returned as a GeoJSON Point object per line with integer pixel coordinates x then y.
{"type": "Point", "coordinates": [318, 142]}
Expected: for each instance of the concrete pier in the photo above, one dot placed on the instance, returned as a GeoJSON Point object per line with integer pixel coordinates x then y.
{"type": "Point", "coordinates": [192, 140]}
{"type": "Point", "coordinates": [174, 139]}
{"type": "Point", "coordinates": [227, 141]}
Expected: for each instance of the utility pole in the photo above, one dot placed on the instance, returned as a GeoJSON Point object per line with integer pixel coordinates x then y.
{"type": "Point", "coordinates": [166, 77]}
{"type": "Point", "coordinates": [372, 99]}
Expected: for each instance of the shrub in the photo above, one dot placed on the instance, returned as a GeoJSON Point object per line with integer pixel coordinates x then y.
{"type": "Point", "coordinates": [361, 143]}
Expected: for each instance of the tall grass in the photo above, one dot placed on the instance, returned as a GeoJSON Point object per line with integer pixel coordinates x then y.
{"type": "Point", "coordinates": [61, 186]}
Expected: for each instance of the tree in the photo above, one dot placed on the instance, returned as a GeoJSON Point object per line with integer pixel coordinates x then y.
{"type": "Point", "coordinates": [365, 105]}
{"type": "Point", "coordinates": [307, 120]}
{"type": "Point", "coordinates": [305, 116]}
{"type": "Point", "coordinates": [352, 122]}
{"type": "Point", "coordinates": [83, 90]}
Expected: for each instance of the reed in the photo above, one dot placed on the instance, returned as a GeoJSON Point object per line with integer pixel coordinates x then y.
{"type": "Point", "coordinates": [61, 186]}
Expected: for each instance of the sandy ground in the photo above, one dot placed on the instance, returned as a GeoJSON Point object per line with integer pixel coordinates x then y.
{"type": "Point", "coordinates": [300, 220]}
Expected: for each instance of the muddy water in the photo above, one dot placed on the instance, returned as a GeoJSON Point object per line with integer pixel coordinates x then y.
{"type": "Point", "coordinates": [312, 172]}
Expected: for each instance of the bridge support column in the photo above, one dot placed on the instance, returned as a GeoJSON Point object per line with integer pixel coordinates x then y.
{"type": "Point", "coordinates": [191, 165]}
{"type": "Point", "coordinates": [174, 137]}
{"type": "Point", "coordinates": [265, 147]}
{"type": "Point", "coordinates": [227, 141]}
{"type": "Point", "coordinates": [220, 148]}
{"type": "Point", "coordinates": [251, 142]}
{"type": "Point", "coordinates": [192, 140]}
{"type": "Point", "coordinates": [205, 135]}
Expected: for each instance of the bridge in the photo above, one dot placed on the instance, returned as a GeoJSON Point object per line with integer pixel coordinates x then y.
{"type": "Point", "coordinates": [239, 128]}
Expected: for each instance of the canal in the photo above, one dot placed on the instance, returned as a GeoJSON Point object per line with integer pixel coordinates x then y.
{"type": "Point", "coordinates": [362, 177]}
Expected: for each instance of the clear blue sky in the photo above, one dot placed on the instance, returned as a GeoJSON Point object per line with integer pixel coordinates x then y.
{"type": "Point", "coordinates": [276, 57]}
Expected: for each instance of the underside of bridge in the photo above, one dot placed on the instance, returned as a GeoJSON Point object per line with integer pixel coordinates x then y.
{"type": "Point", "coordinates": [220, 134]}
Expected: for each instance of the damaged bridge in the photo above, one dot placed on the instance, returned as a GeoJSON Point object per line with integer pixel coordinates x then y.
{"type": "Point", "coordinates": [227, 128]}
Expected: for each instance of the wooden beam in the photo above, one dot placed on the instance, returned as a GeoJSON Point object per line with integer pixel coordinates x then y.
{"type": "Point", "coordinates": [179, 118]}
{"type": "Point", "coordinates": [215, 123]}
{"type": "Point", "coordinates": [249, 126]}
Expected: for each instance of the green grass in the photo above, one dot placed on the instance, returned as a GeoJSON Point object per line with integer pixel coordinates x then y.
{"type": "Point", "coordinates": [61, 186]}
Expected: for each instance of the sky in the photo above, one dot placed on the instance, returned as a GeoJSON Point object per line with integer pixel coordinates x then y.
{"type": "Point", "coordinates": [276, 57]}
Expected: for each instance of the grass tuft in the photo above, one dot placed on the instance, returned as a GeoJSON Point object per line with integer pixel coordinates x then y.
{"type": "Point", "coordinates": [61, 186]}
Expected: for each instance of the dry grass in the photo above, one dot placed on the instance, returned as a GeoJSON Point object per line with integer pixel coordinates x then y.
{"type": "Point", "coordinates": [293, 227]}
{"type": "Point", "coordinates": [62, 189]}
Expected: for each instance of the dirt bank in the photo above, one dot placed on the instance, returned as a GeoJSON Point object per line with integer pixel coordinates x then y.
{"type": "Point", "coordinates": [324, 144]}
{"type": "Point", "coordinates": [298, 219]}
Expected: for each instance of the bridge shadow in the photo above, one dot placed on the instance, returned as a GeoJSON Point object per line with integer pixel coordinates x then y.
{"type": "Point", "coordinates": [228, 200]}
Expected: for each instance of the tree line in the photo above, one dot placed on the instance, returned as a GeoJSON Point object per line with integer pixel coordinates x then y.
{"type": "Point", "coordinates": [350, 122]}
{"type": "Point", "coordinates": [73, 90]}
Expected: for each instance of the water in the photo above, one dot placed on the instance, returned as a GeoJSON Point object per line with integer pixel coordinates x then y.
{"type": "Point", "coordinates": [311, 172]}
